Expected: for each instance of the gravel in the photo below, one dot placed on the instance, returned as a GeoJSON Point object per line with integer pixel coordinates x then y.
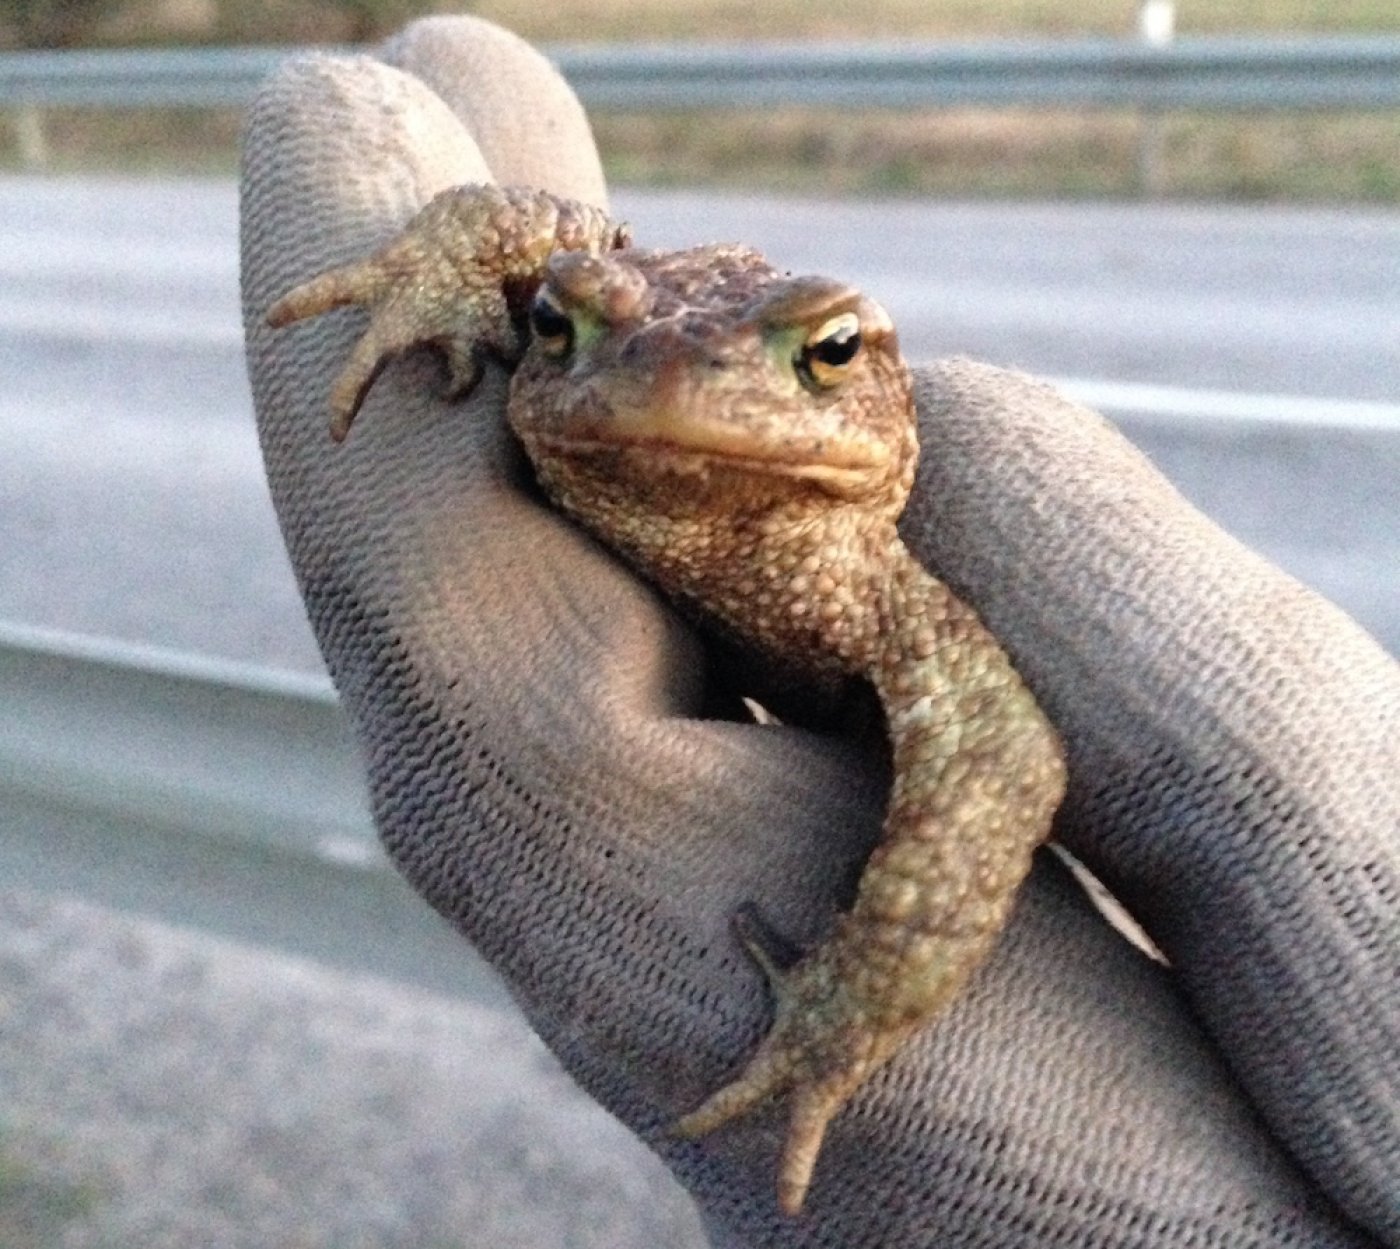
{"type": "Point", "coordinates": [163, 1089]}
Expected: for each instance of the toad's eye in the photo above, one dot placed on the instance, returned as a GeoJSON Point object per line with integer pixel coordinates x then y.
{"type": "Point", "coordinates": [551, 325]}
{"type": "Point", "coordinates": [824, 359]}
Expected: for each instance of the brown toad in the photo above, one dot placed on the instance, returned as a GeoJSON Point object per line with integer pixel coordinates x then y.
{"type": "Point", "coordinates": [747, 439]}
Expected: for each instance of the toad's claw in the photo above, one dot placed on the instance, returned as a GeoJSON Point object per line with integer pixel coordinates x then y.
{"type": "Point", "coordinates": [390, 334]}
{"type": "Point", "coordinates": [404, 314]}
{"type": "Point", "coordinates": [770, 1072]}
{"type": "Point", "coordinates": [822, 1046]}
{"type": "Point", "coordinates": [357, 283]}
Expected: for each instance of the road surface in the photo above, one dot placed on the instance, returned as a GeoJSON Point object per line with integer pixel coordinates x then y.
{"type": "Point", "coordinates": [130, 493]}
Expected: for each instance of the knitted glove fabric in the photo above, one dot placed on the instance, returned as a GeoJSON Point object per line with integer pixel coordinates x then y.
{"type": "Point", "coordinates": [547, 768]}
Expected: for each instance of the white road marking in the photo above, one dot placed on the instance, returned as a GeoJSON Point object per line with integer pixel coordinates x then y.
{"type": "Point", "coordinates": [1187, 403]}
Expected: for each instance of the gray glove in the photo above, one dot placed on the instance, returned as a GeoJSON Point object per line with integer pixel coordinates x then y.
{"type": "Point", "coordinates": [548, 769]}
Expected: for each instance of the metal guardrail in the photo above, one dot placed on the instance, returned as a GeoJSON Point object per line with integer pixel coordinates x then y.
{"type": "Point", "coordinates": [1240, 73]}
{"type": "Point", "coordinates": [208, 794]}
{"type": "Point", "coordinates": [1207, 73]}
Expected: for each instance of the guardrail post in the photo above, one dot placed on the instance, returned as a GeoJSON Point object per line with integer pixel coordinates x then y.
{"type": "Point", "coordinates": [1156, 28]}
{"type": "Point", "coordinates": [29, 137]}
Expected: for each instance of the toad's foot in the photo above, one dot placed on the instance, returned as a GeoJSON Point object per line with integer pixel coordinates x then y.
{"type": "Point", "coordinates": [977, 776]}
{"type": "Point", "coordinates": [826, 1039]}
{"type": "Point", "coordinates": [458, 278]}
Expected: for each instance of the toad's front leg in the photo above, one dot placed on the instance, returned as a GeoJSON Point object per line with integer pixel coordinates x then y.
{"type": "Point", "coordinates": [458, 277]}
{"type": "Point", "coordinates": [978, 774]}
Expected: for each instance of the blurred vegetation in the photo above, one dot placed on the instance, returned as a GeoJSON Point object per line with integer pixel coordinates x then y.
{"type": "Point", "coordinates": [1015, 153]}
{"type": "Point", "coordinates": [1306, 156]}
{"type": "Point", "coordinates": [37, 1205]}
{"type": "Point", "coordinates": [52, 23]}
{"type": "Point", "coordinates": [66, 23]}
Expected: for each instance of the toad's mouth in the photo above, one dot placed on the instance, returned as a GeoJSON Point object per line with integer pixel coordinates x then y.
{"type": "Point", "coordinates": [839, 461]}
{"type": "Point", "coordinates": [847, 478]}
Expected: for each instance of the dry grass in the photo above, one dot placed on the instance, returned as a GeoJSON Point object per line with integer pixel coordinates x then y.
{"type": "Point", "coordinates": [961, 151]}
{"type": "Point", "coordinates": [956, 152]}
{"type": "Point", "coordinates": [788, 19]}
{"type": "Point", "coordinates": [275, 21]}
{"type": "Point", "coordinates": [964, 152]}
{"type": "Point", "coordinates": [1353, 157]}
{"type": "Point", "coordinates": [187, 140]}
{"type": "Point", "coordinates": [1013, 152]}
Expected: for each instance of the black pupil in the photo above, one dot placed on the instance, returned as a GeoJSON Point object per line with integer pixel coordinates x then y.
{"type": "Point", "coordinates": [835, 349]}
{"type": "Point", "coordinates": [547, 321]}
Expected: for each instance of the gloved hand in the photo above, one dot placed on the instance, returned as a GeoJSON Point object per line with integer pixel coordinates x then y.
{"type": "Point", "coordinates": [548, 770]}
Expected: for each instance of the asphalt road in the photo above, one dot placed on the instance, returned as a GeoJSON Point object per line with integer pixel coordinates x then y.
{"type": "Point", "coordinates": [1236, 298]}
{"type": "Point", "coordinates": [166, 1089]}
{"type": "Point", "coordinates": [131, 501]}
